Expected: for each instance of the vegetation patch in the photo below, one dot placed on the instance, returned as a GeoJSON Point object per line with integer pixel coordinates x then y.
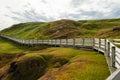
{"type": "Point", "coordinates": [9, 47]}
{"type": "Point", "coordinates": [83, 65]}
{"type": "Point", "coordinates": [78, 62]}
{"type": "Point", "coordinates": [57, 64]}
{"type": "Point", "coordinates": [27, 67]}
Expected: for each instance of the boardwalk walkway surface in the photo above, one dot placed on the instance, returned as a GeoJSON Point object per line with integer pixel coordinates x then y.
{"type": "Point", "coordinates": [111, 52]}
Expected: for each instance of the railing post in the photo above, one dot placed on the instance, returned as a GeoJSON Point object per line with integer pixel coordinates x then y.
{"type": "Point", "coordinates": [36, 42]}
{"type": "Point", "coordinates": [42, 41]}
{"type": "Point", "coordinates": [108, 49]}
{"type": "Point", "coordinates": [66, 42]}
{"type": "Point", "coordinates": [28, 43]}
{"type": "Point", "coordinates": [51, 42]}
{"type": "Point", "coordinates": [22, 41]}
{"type": "Point", "coordinates": [32, 43]}
{"type": "Point", "coordinates": [93, 42]}
{"type": "Point", "coordinates": [73, 42]}
{"type": "Point", "coordinates": [48, 42]}
{"type": "Point", "coordinates": [83, 42]}
{"type": "Point", "coordinates": [99, 43]}
{"type": "Point", "coordinates": [60, 42]}
{"type": "Point", "coordinates": [113, 56]}
{"type": "Point", "coordinates": [105, 44]}
{"type": "Point", "coordinates": [55, 42]}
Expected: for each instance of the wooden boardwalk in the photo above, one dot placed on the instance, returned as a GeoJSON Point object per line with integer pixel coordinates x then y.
{"type": "Point", "coordinates": [111, 52]}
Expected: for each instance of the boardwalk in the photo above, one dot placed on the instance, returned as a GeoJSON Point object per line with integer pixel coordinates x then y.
{"type": "Point", "coordinates": [111, 52]}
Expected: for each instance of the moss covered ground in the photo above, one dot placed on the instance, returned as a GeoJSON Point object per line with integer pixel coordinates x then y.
{"type": "Point", "coordinates": [81, 65]}
{"type": "Point", "coordinates": [9, 47]}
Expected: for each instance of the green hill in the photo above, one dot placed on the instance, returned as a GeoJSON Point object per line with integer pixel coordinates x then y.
{"type": "Point", "coordinates": [24, 63]}
{"type": "Point", "coordinates": [64, 29]}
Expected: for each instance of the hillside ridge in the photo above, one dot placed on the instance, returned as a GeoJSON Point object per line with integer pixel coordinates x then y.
{"type": "Point", "coordinates": [64, 29]}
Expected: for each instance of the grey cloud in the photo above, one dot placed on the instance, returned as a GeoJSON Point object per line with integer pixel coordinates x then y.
{"type": "Point", "coordinates": [8, 7]}
{"type": "Point", "coordinates": [28, 16]}
{"type": "Point", "coordinates": [95, 14]}
{"type": "Point", "coordinates": [44, 1]}
{"type": "Point", "coordinates": [76, 3]}
{"type": "Point", "coordinates": [115, 13]}
{"type": "Point", "coordinates": [27, 5]}
{"type": "Point", "coordinates": [81, 13]}
{"type": "Point", "coordinates": [115, 10]}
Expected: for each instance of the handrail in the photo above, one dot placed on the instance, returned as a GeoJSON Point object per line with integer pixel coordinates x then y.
{"type": "Point", "coordinates": [111, 52]}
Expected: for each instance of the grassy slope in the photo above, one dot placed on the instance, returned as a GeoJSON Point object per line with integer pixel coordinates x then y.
{"type": "Point", "coordinates": [8, 51]}
{"type": "Point", "coordinates": [80, 64]}
{"type": "Point", "coordinates": [63, 29]}
{"type": "Point", "coordinates": [59, 64]}
{"type": "Point", "coordinates": [9, 47]}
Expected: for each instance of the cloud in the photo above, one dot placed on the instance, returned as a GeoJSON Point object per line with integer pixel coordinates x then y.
{"type": "Point", "coordinates": [44, 1]}
{"type": "Point", "coordinates": [18, 11]}
{"type": "Point", "coordinates": [76, 3]}
{"type": "Point", "coordinates": [99, 9]}
{"type": "Point", "coordinates": [85, 15]}
{"type": "Point", "coordinates": [115, 13]}
{"type": "Point", "coordinates": [28, 15]}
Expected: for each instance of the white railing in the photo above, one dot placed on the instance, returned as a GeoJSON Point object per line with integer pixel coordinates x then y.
{"type": "Point", "coordinates": [116, 41]}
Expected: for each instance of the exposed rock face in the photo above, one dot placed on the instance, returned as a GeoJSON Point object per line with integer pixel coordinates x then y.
{"type": "Point", "coordinates": [117, 28]}
{"type": "Point", "coordinates": [109, 32]}
{"type": "Point", "coordinates": [28, 67]}
{"type": "Point", "coordinates": [13, 67]}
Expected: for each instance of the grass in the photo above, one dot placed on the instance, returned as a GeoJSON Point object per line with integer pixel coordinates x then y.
{"type": "Point", "coordinates": [118, 45]}
{"type": "Point", "coordinates": [81, 65]}
{"type": "Point", "coordinates": [59, 64]}
{"type": "Point", "coordinates": [9, 47]}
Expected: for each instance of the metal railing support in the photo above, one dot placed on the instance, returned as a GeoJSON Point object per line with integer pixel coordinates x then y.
{"type": "Point", "coordinates": [108, 49]}
{"type": "Point", "coordinates": [113, 56]}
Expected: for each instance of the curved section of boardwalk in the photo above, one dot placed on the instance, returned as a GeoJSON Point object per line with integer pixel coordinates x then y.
{"type": "Point", "coordinates": [88, 42]}
{"type": "Point", "coordinates": [111, 52]}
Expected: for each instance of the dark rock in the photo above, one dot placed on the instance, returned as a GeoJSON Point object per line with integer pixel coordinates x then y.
{"type": "Point", "coordinates": [117, 28]}
{"type": "Point", "coordinates": [13, 67]}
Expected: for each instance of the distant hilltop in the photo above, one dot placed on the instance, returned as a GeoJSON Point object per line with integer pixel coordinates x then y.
{"type": "Point", "coordinates": [106, 28]}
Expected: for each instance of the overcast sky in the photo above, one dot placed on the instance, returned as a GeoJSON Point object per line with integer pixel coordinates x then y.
{"type": "Point", "coordinates": [19, 11]}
